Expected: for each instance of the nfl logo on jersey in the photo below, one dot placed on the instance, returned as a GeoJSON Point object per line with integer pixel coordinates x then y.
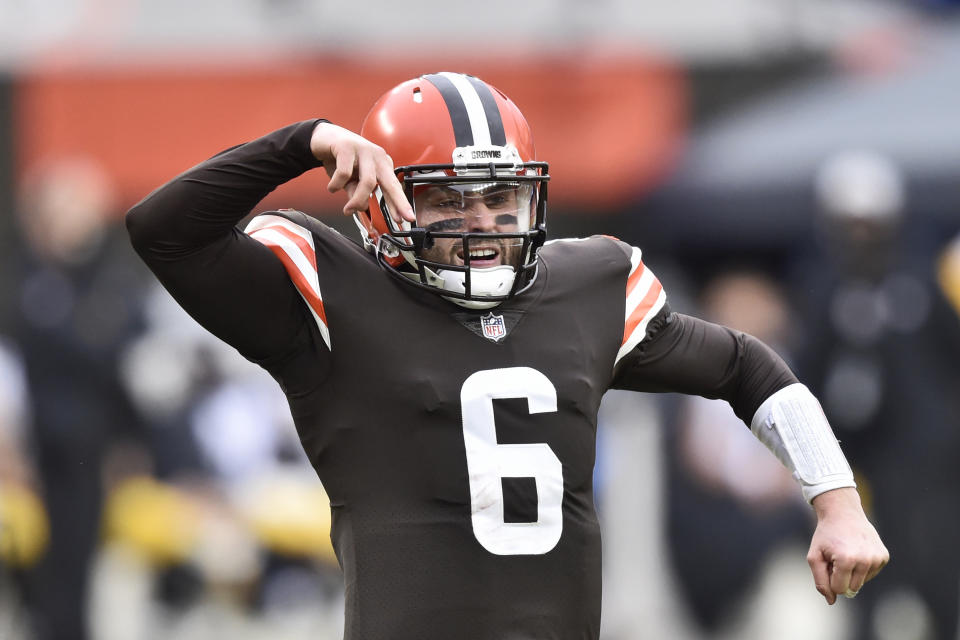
{"type": "Point", "coordinates": [493, 327]}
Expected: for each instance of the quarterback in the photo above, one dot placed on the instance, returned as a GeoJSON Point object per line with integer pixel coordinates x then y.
{"type": "Point", "coordinates": [445, 376]}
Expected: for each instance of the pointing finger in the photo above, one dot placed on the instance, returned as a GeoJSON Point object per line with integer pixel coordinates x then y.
{"type": "Point", "coordinates": [363, 186]}
{"type": "Point", "coordinates": [392, 191]}
{"type": "Point", "coordinates": [345, 161]}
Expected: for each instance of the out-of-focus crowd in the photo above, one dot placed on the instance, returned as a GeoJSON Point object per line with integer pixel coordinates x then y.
{"type": "Point", "coordinates": [151, 479]}
{"type": "Point", "coordinates": [152, 485]}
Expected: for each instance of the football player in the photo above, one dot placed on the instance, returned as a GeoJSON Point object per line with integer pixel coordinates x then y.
{"type": "Point", "coordinates": [445, 377]}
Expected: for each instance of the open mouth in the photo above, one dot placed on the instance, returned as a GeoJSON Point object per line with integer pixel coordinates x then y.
{"type": "Point", "coordinates": [481, 257]}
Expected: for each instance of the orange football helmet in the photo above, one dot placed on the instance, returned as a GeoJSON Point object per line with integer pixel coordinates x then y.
{"type": "Point", "coordinates": [465, 156]}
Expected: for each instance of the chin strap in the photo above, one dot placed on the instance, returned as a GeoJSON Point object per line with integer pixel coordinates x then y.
{"type": "Point", "coordinates": [792, 425]}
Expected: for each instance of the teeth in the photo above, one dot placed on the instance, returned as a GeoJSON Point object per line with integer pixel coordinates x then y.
{"type": "Point", "coordinates": [482, 253]}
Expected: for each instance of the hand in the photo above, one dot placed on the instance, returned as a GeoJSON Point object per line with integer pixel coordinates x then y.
{"type": "Point", "coordinates": [846, 550]}
{"type": "Point", "coordinates": [357, 166]}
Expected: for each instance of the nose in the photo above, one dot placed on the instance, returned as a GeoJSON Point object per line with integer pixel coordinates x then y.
{"type": "Point", "coordinates": [480, 218]}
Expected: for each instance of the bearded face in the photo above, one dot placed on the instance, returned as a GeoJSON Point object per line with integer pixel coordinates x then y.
{"type": "Point", "coordinates": [474, 208]}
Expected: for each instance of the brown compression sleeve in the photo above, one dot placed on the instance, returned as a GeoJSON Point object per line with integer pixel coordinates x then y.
{"type": "Point", "coordinates": [231, 284]}
{"type": "Point", "coordinates": [688, 355]}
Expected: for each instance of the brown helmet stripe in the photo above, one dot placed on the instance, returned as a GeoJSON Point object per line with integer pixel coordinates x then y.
{"type": "Point", "coordinates": [459, 117]}
{"type": "Point", "coordinates": [490, 109]}
{"type": "Point", "coordinates": [473, 109]}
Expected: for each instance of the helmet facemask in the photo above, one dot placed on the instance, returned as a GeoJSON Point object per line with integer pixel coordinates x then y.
{"type": "Point", "coordinates": [465, 156]}
{"type": "Point", "coordinates": [477, 231]}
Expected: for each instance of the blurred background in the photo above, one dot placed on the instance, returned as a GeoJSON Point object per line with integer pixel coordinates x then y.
{"type": "Point", "coordinates": [790, 168]}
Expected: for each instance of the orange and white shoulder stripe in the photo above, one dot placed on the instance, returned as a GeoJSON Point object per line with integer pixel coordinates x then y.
{"type": "Point", "coordinates": [294, 246]}
{"type": "Point", "coordinates": [645, 298]}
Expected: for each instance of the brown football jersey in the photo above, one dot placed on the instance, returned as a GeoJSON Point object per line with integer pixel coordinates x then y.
{"type": "Point", "coordinates": [457, 446]}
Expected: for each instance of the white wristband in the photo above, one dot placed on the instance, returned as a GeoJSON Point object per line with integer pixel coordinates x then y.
{"type": "Point", "coordinates": [791, 424]}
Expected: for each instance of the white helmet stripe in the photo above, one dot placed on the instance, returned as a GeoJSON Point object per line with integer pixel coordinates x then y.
{"type": "Point", "coordinates": [475, 112]}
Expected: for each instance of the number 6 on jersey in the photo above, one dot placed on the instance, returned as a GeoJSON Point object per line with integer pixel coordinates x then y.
{"type": "Point", "coordinates": [488, 462]}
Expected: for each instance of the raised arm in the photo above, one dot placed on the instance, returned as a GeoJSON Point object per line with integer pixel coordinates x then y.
{"type": "Point", "coordinates": [234, 286]}
{"type": "Point", "coordinates": [186, 233]}
{"type": "Point", "coordinates": [688, 355]}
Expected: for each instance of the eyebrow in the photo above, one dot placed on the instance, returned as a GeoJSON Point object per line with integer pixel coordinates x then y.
{"type": "Point", "coordinates": [439, 191]}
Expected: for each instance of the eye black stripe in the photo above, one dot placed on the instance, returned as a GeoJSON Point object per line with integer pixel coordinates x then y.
{"type": "Point", "coordinates": [458, 110]}
{"type": "Point", "coordinates": [494, 121]}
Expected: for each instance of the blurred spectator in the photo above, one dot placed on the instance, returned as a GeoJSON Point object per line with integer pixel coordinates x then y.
{"type": "Point", "coordinates": [14, 466]}
{"type": "Point", "coordinates": [730, 504]}
{"type": "Point", "coordinates": [74, 308]}
{"type": "Point", "coordinates": [23, 524]}
{"type": "Point", "coordinates": [239, 529]}
{"type": "Point", "coordinates": [881, 352]}
{"type": "Point", "coordinates": [948, 273]}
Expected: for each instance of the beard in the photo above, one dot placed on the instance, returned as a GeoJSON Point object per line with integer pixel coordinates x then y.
{"type": "Point", "coordinates": [485, 252]}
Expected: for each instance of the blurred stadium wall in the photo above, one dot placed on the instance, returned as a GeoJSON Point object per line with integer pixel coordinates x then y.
{"type": "Point", "coordinates": [148, 88]}
{"type": "Point", "coordinates": [147, 124]}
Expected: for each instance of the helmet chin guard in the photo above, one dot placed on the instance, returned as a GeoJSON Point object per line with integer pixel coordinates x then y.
{"type": "Point", "coordinates": [493, 282]}
{"type": "Point", "coordinates": [482, 221]}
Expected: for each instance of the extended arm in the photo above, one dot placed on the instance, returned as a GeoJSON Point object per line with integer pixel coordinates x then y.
{"type": "Point", "coordinates": [684, 354]}
{"type": "Point", "coordinates": [689, 355]}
